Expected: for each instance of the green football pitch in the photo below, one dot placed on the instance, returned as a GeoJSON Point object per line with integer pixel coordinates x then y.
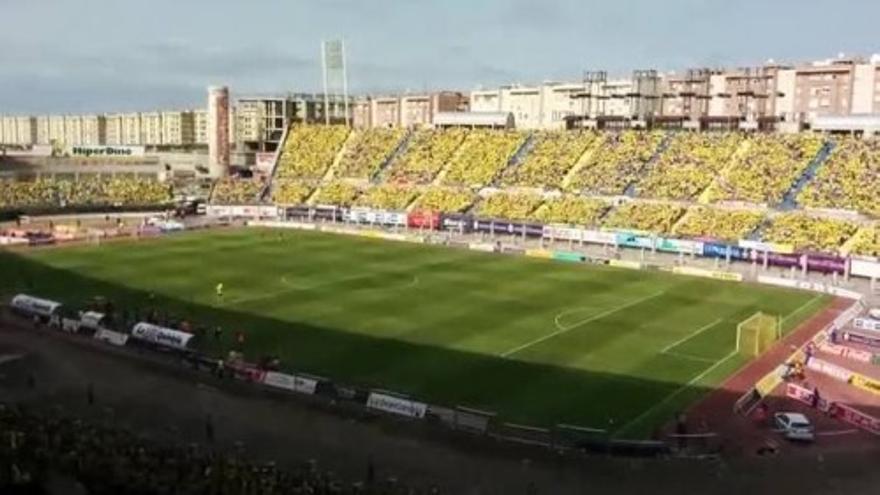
{"type": "Point", "coordinates": [539, 342]}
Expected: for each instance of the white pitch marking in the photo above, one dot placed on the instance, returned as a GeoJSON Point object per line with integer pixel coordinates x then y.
{"type": "Point", "coordinates": [691, 335]}
{"type": "Point", "coordinates": [562, 330]}
{"type": "Point", "coordinates": [689, 356]}
{"type": "Point", "coordinates": [675, 393]}
{"type": "Point", "coordinates": [798, 310]}
{"type": "Point", "coordinates": [8, 358]}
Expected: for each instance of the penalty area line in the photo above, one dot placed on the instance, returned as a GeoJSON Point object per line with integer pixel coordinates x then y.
{"type": "Point", "coordinates": [562, 330]}
{"type": "Point", "coordinates": [675, 393]}
{"type": "Point", "coordinates": [690, 336]}
{"type": "Point", "coordinates": [803, 307]}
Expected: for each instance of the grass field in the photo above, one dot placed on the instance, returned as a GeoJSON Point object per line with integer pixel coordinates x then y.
{"type": "Point", "coordinates": [538, 341]}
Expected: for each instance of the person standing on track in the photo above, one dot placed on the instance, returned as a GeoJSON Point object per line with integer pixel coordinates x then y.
{"type": "Point", "coordinates": [219, 291]}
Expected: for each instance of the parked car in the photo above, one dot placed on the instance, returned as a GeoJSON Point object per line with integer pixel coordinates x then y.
{"type": "Point", "coordinates": [794, 426]}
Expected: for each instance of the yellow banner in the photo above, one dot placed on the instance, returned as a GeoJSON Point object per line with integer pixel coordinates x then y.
{"type": "Point", "coordinates": [635, 265]}
{"type": "Point", "coordinates": [766, 385]}
{"type": "Point", "coordinates": [539, 253]}
{"type": "Point", "coordinates": [865, 383]}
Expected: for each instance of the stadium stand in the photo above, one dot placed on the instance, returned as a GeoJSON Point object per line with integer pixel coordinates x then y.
{"type": "Point", "coordinates": [367, 150]}
{"type": "Point", "coordinates": [688, 165]}
{"type": "Point", "coordinates": [616, 162]}
{"type": "Point", "coordinates": [482, 156]}
{"type": "Point", "coordinates": [427, 153]}
{"type": "Point", "coordinates": [806, 232]}
{"type": "Point", "coordinates": [572, 210]}
{"type": "Point", "coordinates": [658, 218]}
{"type": "Point", "coordinates": [290, 192]}
{"type": "Point", "coordinates": [512, 206]}
{"type": "Point", "coordinates": [866, 241]}
{"type": "Point", "coordinates": [850, 179]}
{"type": "Point", "coordinates": [87, 191]}
{"type": "Point", "coordinates": [765, 170]}
{"type": "Point", "coordinates": [387, 197]}
{"type": "Point", "coordinates": [446, 199]}
{"type": "Point", "coordinates": [731, 225]}
{"type": "Point", "coordinates": [236, 191]}
{"type": "Point", "coordinates": [40, 450]}
{"type": "Point", "coordinates": [336, 193]}
{"type": "Point", "coordinates": [551, 157]}
{"type": "Point", "coordinates": [309, 151]}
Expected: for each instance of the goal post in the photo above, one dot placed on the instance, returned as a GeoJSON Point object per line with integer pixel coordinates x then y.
{"type": "Point", "coordinates": [757, 333]}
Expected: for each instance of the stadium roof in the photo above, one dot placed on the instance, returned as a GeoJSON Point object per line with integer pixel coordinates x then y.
{"type": "Point", "coordinates": [474, 119]}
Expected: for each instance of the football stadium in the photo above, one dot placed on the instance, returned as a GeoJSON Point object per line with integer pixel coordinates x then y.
{"type": "Point", "coordinates": [667, 286]}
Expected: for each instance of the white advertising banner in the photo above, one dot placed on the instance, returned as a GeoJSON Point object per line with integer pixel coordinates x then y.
{"type": "Point", "coordinates": [837, 372]}
{"type": "Point", "coordinates": [166, 337]}
{"type": "Point", "coordinates": [863, 267]}
{"type": "Point", "coordinates": [396, 405]}
{"type": "Point", "coordinates": [111, 337]}
{"type": "Point", "coordinates": [369, 215]}
{"type": "Point", "coordinates": [807, 285]}
{"type": "Point", "coordinates": [293, 383]}
{"type": "Point", "coordinates": [104, 151]}
{"type": "Point", "coordinates": [867, 324]}
{"type": "Point", "coordinates": [481, 246]}
{"type": "Point", "coordinates": [34, 305]}
{"type": "Point", "coordinates": [6, 240]}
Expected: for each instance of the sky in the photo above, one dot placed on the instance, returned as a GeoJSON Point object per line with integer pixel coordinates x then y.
{"type": "Point", "coordinates": [68, 56]}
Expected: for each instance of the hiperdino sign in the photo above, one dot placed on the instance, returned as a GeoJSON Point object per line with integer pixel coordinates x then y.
{"type": "Point", "coordinates": [108, 151]}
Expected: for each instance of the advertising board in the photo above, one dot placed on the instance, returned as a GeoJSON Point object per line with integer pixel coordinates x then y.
{"type": "Point", "coordinates": [396, 405]}
{"type": "Point", "coordinates": [165, 337]}
{"type": "Point", "coordinates": [293, 383]}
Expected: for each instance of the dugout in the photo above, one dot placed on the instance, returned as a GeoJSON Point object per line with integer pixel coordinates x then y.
{"type": "Point", "coordinates": [35, 307]}
{"type": "Point", "coordinates": [161, 338]}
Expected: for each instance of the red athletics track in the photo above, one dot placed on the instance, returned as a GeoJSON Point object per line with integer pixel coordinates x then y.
{"type": "Point", "coordinates": [717, 407]}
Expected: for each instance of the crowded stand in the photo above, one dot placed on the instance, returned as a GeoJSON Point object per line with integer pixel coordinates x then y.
{"type": "Point", "coordinates": [367, 150]}
{"type": "Point", "coordinates": [309, 151]}
{"type": "Point", "coordinates": [336, 193]}
{"type": "Point", "coordinates": [849, 179]}
{"type": "Point", "coordinates": [866, 241]}
{"type": "Point", "coordinates": [446, 200]}
{"type": "Point", "coordinates": [572, 210]}
{"type": "Point", "coordinates": [87, 191]}
{"type": "Point", "coordinates": [43, 449]}
{"type": "Point", "coordinates": [551, 157]}
{"type": "Point", "coordinates": [387, 197]}
{"type": "Point", "coordinates": [483, 155]}
{"type": "Point", "coordinates": [767, 168]}
{"type": "Point", "coordinates": [428, 151]}
{"type": "Point", "coordinates": [658, 218]}
{"type": "Point", "coordinates": [290, 192]}
{"type": "Point", "coordinates": [688, 165]}
{"type": "Point", "coordinates": [511, 206]}
{"type": "Point", "coordinates": [808, 233]}
{"type": "Point", "coordinates": [729, 225]}
{"type": "Point", "coordinates": [235, 191]}
{"type": "Point", "coordinates": [616, 162]}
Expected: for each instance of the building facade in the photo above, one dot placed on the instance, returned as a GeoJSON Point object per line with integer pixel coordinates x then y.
{"type": "Point", "coordinates": [405, 111]}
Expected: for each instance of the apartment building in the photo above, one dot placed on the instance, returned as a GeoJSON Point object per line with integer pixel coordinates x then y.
{"type": "Point", "coordinates": [18, 130]}
{"type": "Point", "coordinates": [132, 129]}
{"type": "Point", "coordinates": [151, 127]}
{"type": "Point", "coordinates": [114, 124]}
{"type": "Point", "coordinates": [94, 130]}
{"type": "Point", "coordinates": [405, 110]}
{"type": "Point", "coordinates": [178, 128]}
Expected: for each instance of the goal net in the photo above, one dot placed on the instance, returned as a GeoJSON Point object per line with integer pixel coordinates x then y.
{"type": "Point", "coordinates": [757, 333]}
